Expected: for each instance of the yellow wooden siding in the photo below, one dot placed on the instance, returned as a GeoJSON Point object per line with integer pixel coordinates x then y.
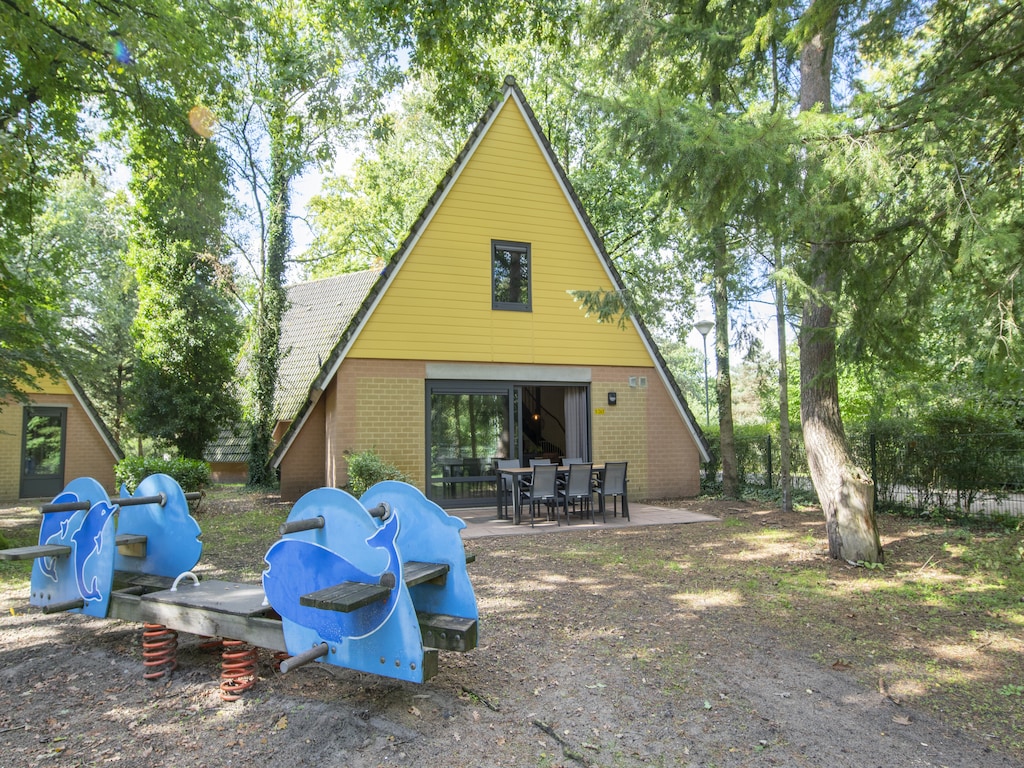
{"type": "Point", "coordinates": [47, 386]}
{"type": "Point", "coordinates": [438, 306]}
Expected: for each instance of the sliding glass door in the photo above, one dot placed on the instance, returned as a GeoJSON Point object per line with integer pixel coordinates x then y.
{"type": "Point", "coordinates": [469, 427]}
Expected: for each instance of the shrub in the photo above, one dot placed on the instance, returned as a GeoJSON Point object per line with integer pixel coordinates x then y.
{"type": "Point", "coordinates": [191, 474]}
{"type": "Point", "coordinates": [367, 468]}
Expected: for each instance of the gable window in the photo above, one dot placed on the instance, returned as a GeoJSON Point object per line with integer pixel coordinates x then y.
{"type": "Point", "coordinates": [510, 275]}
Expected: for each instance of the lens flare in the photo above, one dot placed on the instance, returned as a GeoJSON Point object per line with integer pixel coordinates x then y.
{"type": "Point", "coordinates": [121, 52]}
{"type": "Point", "coordinates": [202, 120]}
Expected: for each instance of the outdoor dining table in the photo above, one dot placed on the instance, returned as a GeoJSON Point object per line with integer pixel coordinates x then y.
{"type": "Point", "coordinates": [516, 473]}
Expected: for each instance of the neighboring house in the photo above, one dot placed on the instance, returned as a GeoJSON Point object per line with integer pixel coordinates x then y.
{"type": "Point", "coordinates": [468, 346]}
{"type": "Point", "coordinates": [54, 438]}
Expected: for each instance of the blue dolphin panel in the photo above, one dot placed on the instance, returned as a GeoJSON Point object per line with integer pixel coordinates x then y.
{"type": "Point", "coordinates": [172, 535]}
{"type": "Point", "coordinates": [351, 546]}
{"type": "Point", "coordinates": [429, 535]}
{"type": "Point", "coordinates": [298, 568]}
{"type": "Point", "coordinates": [88, 572]}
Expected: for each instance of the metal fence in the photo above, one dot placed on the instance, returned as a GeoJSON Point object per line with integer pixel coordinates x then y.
{"type": "Point", "coordinates": [974, 474]}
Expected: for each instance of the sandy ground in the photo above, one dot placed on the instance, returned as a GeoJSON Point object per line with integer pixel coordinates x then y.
{"type": "Point", "coordinates": [580, 664]}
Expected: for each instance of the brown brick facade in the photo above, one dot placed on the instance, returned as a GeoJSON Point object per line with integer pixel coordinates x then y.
{"type": "Point", "coordinates": [303, 465]}
{"type": "Point", "coordinates": [644, 428]}
{"type": "Point", "coordinates": [86, 454]}
{"type": "Point", "coordinates": [380, 405]}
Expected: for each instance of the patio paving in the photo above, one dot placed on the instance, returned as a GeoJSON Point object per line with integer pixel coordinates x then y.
{"type": "Point", "coordinates": [483, 521]}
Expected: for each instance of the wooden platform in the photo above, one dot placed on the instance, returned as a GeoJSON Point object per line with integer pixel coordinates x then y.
{"type": "Point", "coordinates": [31, 553]}
{"type": "Point", "coordinates": [352, 595]}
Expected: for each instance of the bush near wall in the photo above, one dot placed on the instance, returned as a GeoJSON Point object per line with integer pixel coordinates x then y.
{"type": "Point", "coordinates": [191, 474]}
{"type": "Point", "coordinates": [367, 468]}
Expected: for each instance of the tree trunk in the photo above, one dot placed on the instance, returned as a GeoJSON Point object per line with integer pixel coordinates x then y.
{"type": "Point", "coordinates": [266, 354]}
{"type": "Point", "coordinates": [844, 490]}
{"type": "Point", "coordinates": [723, 379]}
{"type": "Point", "coordinates": [785, 441]}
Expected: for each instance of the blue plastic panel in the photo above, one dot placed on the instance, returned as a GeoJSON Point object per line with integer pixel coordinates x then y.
{"type": "Point", "coordinates": [382, 638]}
{"type": "Point", "coordinates": [172, 534]}
{"type": "Point", "coordinates": [88, 572]}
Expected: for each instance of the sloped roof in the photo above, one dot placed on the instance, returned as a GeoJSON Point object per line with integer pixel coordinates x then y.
{"type": "Point", "coordinates": [95, 418]}
{"type": "Point", "coordinates": [348, 334]}
{"type": "Point", "coordinates": [230, 447]}
{"type": "Point", "coordinates": [318, 313]}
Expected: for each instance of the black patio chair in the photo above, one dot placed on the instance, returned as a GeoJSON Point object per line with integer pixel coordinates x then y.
{"type": "Point", "coordinates": [541, 489]}
{"type": "Point", "coordinates": [578, 487]}
{"type": "Point", "coordinates": [612, 483]}
{"type": "Point", "coordinates": [508, 483]}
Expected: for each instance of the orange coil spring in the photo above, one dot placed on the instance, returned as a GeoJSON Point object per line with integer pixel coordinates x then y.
{"type": "Point", "coordinates": [238, 669]}
{"type": "Point", "coordinates": [159, 651]}
{"type": "Point", "coordinates": [210, 644]}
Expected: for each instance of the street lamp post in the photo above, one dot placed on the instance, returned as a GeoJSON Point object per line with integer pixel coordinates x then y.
{"type": "Point", "coordinates": [704, 327]}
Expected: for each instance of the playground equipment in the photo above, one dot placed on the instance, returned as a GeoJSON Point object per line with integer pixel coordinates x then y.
{"type": "Point", "coordinates": [377, 584]}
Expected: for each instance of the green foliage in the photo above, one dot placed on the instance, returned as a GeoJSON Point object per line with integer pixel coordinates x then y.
{"type": "Point", "coordinates": [360, 219]}
{"type": "Point", "coordinates": [191, 474]}
{"type": "Point", "coordinates": [367, 468]}
{"type": "Point", "coordinates": [186, 331]}
{"type": "Point", "coordinates": [73, 74]}
{"type": "Point", "coordinates": [956, 452]}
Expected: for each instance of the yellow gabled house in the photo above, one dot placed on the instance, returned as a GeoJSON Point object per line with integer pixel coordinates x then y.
{"type": "Point", "coordinates": [469, 346]}
{"type": "Point", "coordinates": [53, 438]}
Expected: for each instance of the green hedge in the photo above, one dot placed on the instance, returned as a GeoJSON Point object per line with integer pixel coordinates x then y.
{"type": "Point", "coordinates": [367, 468]}
{"type": "Point", "coordinates": [191, 474]}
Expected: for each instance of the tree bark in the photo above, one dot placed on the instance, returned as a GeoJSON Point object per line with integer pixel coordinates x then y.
{"type": "Point", "coordinates": [844, 489]}
{"type": "Point", "coordinates": [266, 353]}
{"type": "Point", "coordinates": [785, 440]}
{"type": "Point", "coordinates": [723, 378]}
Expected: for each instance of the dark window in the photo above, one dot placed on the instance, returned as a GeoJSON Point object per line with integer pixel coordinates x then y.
{"type": "Point", "coordinates": [42, 451]}
{"type": "Point", "coordinates": [510, 276]}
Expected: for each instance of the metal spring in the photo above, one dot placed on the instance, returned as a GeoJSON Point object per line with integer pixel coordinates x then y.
{"type": "Point", "coordinates": [238, 669]}
{"type": "Point", "coordinates": [210, 644]}
{"type": "Point", "coordinates": [159, 651]}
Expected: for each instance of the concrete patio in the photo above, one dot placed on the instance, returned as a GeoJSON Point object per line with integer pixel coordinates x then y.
{"type": "Point", "coordinates": [483, 521]}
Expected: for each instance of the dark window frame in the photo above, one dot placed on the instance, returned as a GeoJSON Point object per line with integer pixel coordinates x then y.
{"type": "Point", "coordinates": [526, 250]}
{"type": "Point", "coordinates": [33, 484]}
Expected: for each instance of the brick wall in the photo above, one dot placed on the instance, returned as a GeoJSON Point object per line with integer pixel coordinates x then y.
{"type": "Point", "coordinates": [673, 459]}
{"type": "Point", "coordinates": [369, 405]}
{"type": "Point", "coordinates": [620, 430]}
{"type": "Point", "coordinates": [644, 428]}
{"type": "Point", "coordinates": [389, 411]}
{"type": "Point", "coordinates": [379, 405]}
{"type": "Point", "coordinates": [85, 452]}
{"type": "Point", "coordinates": [303, 466]}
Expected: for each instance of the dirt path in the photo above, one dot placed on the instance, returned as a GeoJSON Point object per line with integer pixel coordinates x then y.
{"type": "Point", "coordinates": [583, 662]}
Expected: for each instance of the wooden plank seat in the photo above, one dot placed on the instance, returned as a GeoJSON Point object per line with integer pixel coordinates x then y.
{"type": "Point", "coordinates": [31, 553]}
{"type": "Point", "coordinates": [415, 572]}
{"type": "Point", "coordinates": [352, 595]}
{"type": "Point", "coordinates": [131, 544]}
{"type": "Point", "coordinates": [345, 597]}
{"type": "Point", "coordinates": [147, 580]}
